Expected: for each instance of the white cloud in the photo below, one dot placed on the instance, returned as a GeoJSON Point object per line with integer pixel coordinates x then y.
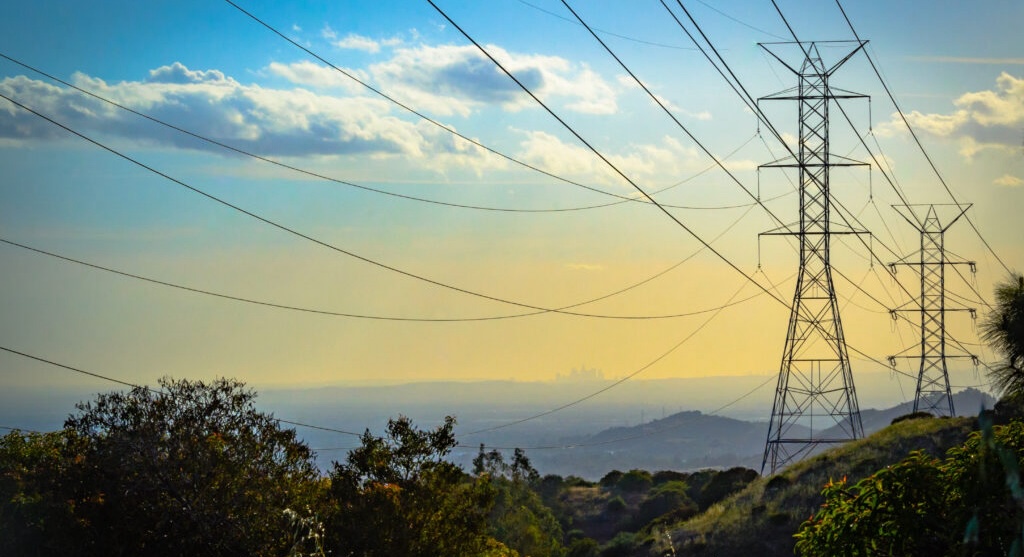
{"type": "Point", "coordinates": [353, 41]}
{"type": "Point", "coordinates": [271, 122]}
{"type": "Point", "coordinates": [314, 75]}
{"type": "Point", "coordinates": [459, 79]}
{"type": "Point", "coordinates": [982, 120]}
{"type": "Point", "coordinates": [1008, 181]}
{"type": "Point", "coordinates": [1003, 107]}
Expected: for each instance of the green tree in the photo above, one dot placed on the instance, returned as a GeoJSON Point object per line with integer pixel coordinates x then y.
{"type": "Point", "coordinates": [36, 517]}
{"type": "Point", "coordinates": [519, 518]}
{"type": "Point", "coordinates": [669, 498]}
{"type": "Point", "coordinates": [190, 469]}
{"type": "Point", "coordinates": [1003, 328]}
{"type": "Point", "coordinates": [724, 483]}
{"type": "Point", "coordinates": [397, 495]}
{"type": "Point", "coordinates": [634, 481]}
{"type": "Point", "coordinates": [896, 511]}
{"type": "Point", "coordinates": [970, 503]}
{"type": "Point", "coordinates": [986, 501]}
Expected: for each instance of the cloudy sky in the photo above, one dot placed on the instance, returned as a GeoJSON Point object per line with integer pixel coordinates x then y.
{"type": "Point", "coordinates": [419, 215]}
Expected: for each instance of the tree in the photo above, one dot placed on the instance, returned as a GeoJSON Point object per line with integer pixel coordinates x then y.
{"type": "Point", "coordinates": [397, 495]}
{"type": "Point", "coordinates": [36, 518]}
{"type": "Point", "coordinates": [519, 518]}
{"type": "Point", "coordinates": [189, 469]}
{"type": "Point", "coordinates": [970, 503]}
{"type": "Point", "coordinates": [1003, 328]}
{"type": "Point", "coordinates": [896, 511]}
{"type": "Point", "coordinates": [669, 498]}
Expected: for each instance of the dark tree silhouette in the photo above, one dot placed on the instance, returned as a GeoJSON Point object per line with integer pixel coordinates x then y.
{"type": "Point", "coordinates": [1003, 329]}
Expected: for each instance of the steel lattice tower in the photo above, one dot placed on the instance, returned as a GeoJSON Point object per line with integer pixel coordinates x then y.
{"type": "Point", "coordinates": [933, 393]}
{"type": "Point", "coordinates": [815, 400]}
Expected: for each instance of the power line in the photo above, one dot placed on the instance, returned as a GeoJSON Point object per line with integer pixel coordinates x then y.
{"type": "Point", "coordinates": [152, 390]}
{"type": "Point", "coordinates": [563, 310]}
{"type": "Point", "coordinates": [629, 376]}
{"type": "Point", "coordinates": [567, 446]}
{"type": "Point", "coordinates": [920, 145]}
{"type": "Point", "coordinates": [664, 108]}
{"type": "Point", "coordinates": [678, 123]}
{"type": "Point", "coordinates": [604, 159]}
{"type": "Point", "coordinates": [743, 23]}
{"type": "Point", "coordinates": [745, 95]}
{"type": "Point", "coordinates": [783, 17]}
{"type": "Point", "coordinates": [287, 229]}
{"type": "Point", "coordinates": [611, 165]}
{"type": "Point", "coordinates": [605, 32]}
{"type": "Point", "coordinates": [319, 176]}
{"type": "Point", "coordinates": [25, 429]}
{"type": "Point", "coordinates": [417, 113]}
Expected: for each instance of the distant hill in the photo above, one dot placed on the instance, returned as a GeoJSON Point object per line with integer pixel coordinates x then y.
{"type": "Point", "coordinates": [692, 440]}
{"type": "Point", "coordinates": [683, 441]}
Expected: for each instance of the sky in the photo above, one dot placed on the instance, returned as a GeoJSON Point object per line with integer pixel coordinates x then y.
{"type": "Point", "coordinates": [427, 257]}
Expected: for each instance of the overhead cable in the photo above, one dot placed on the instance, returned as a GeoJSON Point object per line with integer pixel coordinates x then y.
{"type": "Point", "coordinates": [319, 176]}
{"type": "Point", "coordinates": [155, 391]}
{"type": "Point", "coordinates": [920, 145]}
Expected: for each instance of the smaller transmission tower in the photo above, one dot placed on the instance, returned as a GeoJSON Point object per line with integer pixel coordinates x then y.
{"type": "Point", "coordinates": [933, 393]}
{"type": "Point", "coordinates": [815, 400]}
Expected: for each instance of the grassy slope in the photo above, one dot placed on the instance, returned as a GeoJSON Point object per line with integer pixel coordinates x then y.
{"type": "Point", "coordinates": [761, 519]}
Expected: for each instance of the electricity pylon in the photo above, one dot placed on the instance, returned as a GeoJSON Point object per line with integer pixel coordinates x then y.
{"type": "Point", "coordinates": [933, 393]}
{"type": "Point", "coordinates": [815, 400]}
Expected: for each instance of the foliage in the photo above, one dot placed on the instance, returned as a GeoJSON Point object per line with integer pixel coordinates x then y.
{"type": "Point", "coordinates": [623, 544]}
{"type": "Point", "coordinates": [634, 481]}
{"type": "Point", "coordinates": [987, 502]}
{"type": "Point", "coordinates": [193, 468]}
{"type": "Point", "coordinates": [584, 547]}
{"type": "Point", "coordinates": [912, 416]}
{"type": "Point", "coordinates": [610, 479]}
{"type": "Point", "coordinates": [663, 476]}
{"type": "Point", "coordinates": [970, 503]}
{"type": "Point", "coordinates": [761, 518]}
{"type": "Point", "coordinates": [396, 495]}
{"type": "Point", "coordinates": [35, 517]}
{"type": "Point", "coordinates": [723, 484]}
{"type": "Point", "coordinates": [874, 516]}
{"type": "Point", "coordinates": [668, 498]}
{"type": "Point", "coordinates": [519, 518]}
{"type": "Point", "coordinates": [1003, 329]}
{"type": "Point", "coordinates": [616, 505]}
{"type": "Point", "coordinates": [189, 469]}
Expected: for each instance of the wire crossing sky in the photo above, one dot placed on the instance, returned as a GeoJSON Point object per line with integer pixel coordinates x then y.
{"type": "Point", "coordinates": [107, 264]}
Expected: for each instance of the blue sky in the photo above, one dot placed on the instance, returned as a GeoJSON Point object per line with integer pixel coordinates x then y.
{"type": "Point", "coordinates": [955, 68]}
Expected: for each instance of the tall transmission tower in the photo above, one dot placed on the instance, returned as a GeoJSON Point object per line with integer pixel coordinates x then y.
{"type": "Point", "coordinates": [815, 400]}
{"type": "Point", "coordinates": [933, 393]}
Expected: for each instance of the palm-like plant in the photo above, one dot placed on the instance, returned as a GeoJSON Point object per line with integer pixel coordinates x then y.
{"type": "Point", "coordinates": [1003, 329]}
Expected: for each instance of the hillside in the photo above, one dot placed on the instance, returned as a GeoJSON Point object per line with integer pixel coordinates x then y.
{"type": "Point", "coordinates": [761, 519]}
{"type": "Point", "coordinates": [692, 440]}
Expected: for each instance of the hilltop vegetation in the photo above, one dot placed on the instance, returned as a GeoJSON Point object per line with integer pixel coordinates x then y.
{"type": "Point", "coordinates": [193, 468]}
{"type": "Point", "coordinates": [762, 518]}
